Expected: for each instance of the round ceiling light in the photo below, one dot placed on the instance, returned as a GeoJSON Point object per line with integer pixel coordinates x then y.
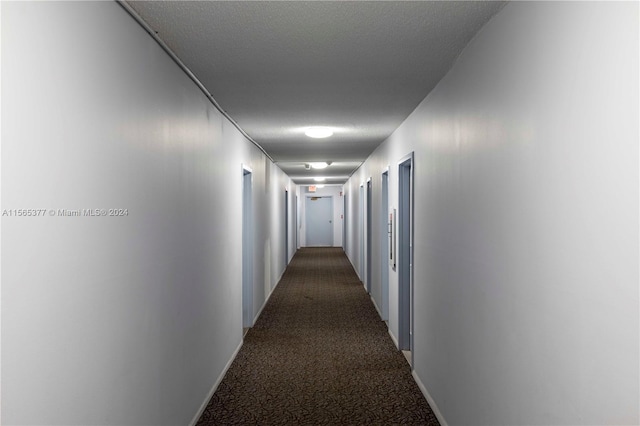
{"type": "Point", "coordinates": [321, 165]}
{"type": "Point", "coordinates": [318, 179]}
{"type": "Point", "coordinates": [318, 132]}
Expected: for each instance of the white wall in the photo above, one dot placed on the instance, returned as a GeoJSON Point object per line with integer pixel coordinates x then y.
{"type": "Point", "coordinates": [338, 208]}
{"type": "Point", "coordinates": [353, 215]}
{"type": "Point", "coordinates": [355, 221]}
{"type": "Point", "coordinates": [119, 320]}
{"type": "Point", "coordinates": [526, 220]}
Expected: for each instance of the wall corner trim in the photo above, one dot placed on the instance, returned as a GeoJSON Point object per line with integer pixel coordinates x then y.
{"type": "Point", "coordinates": [204, 404]}
{"type": "Point", "coordinates": [430, 400]}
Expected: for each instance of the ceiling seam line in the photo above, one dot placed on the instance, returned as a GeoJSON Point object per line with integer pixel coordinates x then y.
{"type": "Point", "coordinates": [188, 72]}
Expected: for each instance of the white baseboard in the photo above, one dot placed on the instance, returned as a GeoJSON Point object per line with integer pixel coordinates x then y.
{"type": "Point", "coordinates": [226, 367]}
{"type": "Point", "coordinates": [195, 418]}
{"type": "Point", "coordinates": [267, 299]}
{"type": "Point", "coordinates": [376, 306]}
{"type": "Point", "coordinates": [353, 266]}
{"type": "Point", "coordinates": [264, 304]}
{"type": "Point", "coordinates": [430, 400]}
{"type": "Point", "coordinates": [395, 341]}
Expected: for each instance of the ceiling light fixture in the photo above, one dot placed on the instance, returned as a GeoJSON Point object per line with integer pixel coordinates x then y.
{"type": "Point", "coordinates": [318, 132]}
{"type": "Point", "coordinates": [318, 179]}
{"type": "Point", "coordinates": [321, 165]}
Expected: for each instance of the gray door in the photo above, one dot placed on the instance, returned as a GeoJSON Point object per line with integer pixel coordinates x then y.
{"type": "Point", "coordinates": [247, 250]}
{"type": "Point", "coordinates": [319, 212]}
{"type": "Point", "coordinates": [385, 246]}
{"type": "Point", "coordinates": [369, 233]}
{"type": "Point", "coordinates": [405, 254]}
{"type": "Point", "coordinates": [361, 233]}
{"type": "Point", "coordinates": [286, 228]}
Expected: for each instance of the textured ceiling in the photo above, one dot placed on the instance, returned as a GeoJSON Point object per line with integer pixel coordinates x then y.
{"type": "Point", "coordinates": [277, 67]}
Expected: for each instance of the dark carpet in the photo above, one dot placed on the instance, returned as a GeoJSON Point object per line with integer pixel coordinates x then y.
{"type": "Point", "coordinates": [318, 354]}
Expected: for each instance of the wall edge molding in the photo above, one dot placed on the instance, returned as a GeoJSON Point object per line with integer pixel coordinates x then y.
{"type": "Point", "coordinates": [430, 400]}
{"type": "Point", "coordinates": [204, 404]}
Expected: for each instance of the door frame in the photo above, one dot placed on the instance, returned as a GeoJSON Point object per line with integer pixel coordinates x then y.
{"type": "Point", "coordinates": [247, 247]}
{"type": "Point", "coordinates": [405, 252]}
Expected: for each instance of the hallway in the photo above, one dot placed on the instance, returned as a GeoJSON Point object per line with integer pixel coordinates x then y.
{"type": "Point", "coordinates": [164, 161]}
{"type": "Point", "coordinates": [318, 354]}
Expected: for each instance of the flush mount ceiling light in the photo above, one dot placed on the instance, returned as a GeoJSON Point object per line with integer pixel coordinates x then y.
{"type": "Point", "coordinates": [318, 132]}
{"type": "Point", "coordinates": [318, 179]}
{"type": "Point", "coordinates": [321, 165]}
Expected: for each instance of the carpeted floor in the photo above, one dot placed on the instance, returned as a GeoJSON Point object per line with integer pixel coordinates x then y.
{"type": "Point", "coordinates": [318, 354]}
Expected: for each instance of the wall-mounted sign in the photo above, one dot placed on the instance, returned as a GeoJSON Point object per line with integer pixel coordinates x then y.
{"type": "Point", "coordinates": [312, 188]}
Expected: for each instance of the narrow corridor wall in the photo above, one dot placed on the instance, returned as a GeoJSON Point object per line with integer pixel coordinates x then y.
{"type": "Point", "coordinates": [526, 220]}
{"type": "Point", "coordinates": [125, 319]}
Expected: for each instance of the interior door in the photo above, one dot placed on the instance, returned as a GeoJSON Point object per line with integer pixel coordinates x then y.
{"type": "Point", "coordinates": [385, 231]}
{"type": "Point", "coordinates": [247, 249]}
{"type": "Point", "coordinates": [319, 213]}
{"type": "Point", "coordinates": [405, 254]}
{"type": "Point", "coordinates": [369, 235]}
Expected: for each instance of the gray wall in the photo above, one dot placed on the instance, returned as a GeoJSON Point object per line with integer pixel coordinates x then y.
{"type": "Point", "coordinates": [526, 220]}
{"type": "Point", "coordinates": [119, 320]}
